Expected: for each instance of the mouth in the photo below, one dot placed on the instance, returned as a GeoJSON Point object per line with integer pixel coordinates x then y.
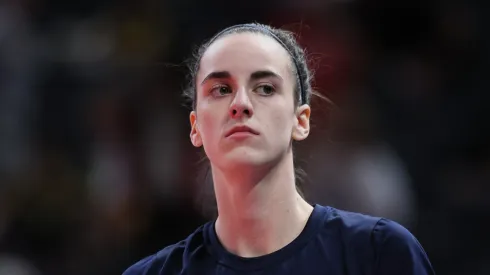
{"type": "Point", "coordinates": [241, 130]}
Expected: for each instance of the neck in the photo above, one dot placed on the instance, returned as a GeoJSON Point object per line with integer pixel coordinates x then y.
{"type": "Point", "coordinates": [259, 212]}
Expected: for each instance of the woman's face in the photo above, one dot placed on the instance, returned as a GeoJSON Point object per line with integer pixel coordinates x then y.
{"type": "Point", "coordinates": [245, 112]}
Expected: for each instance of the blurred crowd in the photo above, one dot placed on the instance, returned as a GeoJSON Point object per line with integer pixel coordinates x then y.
{"type": "Point", "coordinates": [96, 167]}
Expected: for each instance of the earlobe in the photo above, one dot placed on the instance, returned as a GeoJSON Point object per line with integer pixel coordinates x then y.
{"type": "Point", "coordinates": [302, 126]}
{"type": "Point", "coordinates": [195, 135]}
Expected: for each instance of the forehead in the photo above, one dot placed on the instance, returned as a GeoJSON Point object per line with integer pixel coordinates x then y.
{"type": "Point", "coordinates": [244, 53]}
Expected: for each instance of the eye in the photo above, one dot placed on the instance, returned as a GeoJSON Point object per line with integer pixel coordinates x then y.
{"type": "Point", "coordinates": [265, 89]}
{"type": "Point", "coordinates": [220, 90]}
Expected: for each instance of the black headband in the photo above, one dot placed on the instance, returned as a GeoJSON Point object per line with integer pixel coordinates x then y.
{"type": "Point", "coordinates": [266, 30]}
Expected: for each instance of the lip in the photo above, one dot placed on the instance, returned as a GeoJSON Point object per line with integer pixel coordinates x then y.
{"type": "Point", "coordinates": [241, 130]}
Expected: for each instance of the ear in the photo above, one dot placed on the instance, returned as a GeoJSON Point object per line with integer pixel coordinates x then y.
{"type": "Point", "coordinates": [301, 128]}
{"type": "Point", "coordinates": [195, 135]}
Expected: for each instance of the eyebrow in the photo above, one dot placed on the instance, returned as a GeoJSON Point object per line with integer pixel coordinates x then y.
{"type": "Point", "coordinates": [254, 76]}
{"type": "Point", "coordinates": [263, 74]}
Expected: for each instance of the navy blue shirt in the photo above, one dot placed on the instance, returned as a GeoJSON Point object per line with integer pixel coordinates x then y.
{"type": "Point", "coordinates": [333, 242]}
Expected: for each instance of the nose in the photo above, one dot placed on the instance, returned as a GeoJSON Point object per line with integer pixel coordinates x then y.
{"type": "Point", "coordinates": [241, 105]}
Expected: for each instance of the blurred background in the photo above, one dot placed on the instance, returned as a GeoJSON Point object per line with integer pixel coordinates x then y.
{"type": "Point", "coordinates": [97, 170]}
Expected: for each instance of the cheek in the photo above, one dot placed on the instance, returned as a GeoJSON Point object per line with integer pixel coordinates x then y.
{"type": "Point", "coordinates": [208, 123]}
{"type": "Point", "coordinates": [282, 124]}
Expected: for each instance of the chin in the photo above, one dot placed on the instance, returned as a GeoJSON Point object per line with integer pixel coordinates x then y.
{"type": "Point", "coordinates": [247, 159]}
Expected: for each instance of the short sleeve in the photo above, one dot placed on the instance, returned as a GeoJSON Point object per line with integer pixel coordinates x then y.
{"type": "Point", "coordinates": [397, 251]}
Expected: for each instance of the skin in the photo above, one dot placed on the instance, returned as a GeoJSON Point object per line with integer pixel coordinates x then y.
{"type": "Point", "coordinates": [247, 79]}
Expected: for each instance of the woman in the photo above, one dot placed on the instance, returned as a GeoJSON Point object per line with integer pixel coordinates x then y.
{"type": "Point", "coordinates": [251, 90]}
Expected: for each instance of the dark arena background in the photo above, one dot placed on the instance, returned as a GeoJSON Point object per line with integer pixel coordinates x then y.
{"type": "Point", "coordinates": [96, 166]}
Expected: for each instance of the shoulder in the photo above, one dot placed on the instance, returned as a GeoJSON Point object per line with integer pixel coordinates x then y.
{"type": "Point", "coordinates": [355, 228]}
{"type": "Point", "coordinates": [388, 232]}
{"type": "Point", "coordinates": [377, 230]}
{"type": "Point", "coordinates": [382, 245]}
{"type": "Point", "coordinates": [170, 259]}
{"type": "Point", "coordinates": [398, 251]}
